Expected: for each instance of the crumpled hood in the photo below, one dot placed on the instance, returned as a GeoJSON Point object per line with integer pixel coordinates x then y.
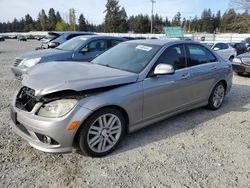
{"type": "Point", "coordinates": [58, 76]}
{"type": "Point", "coordinates": [41, 53]}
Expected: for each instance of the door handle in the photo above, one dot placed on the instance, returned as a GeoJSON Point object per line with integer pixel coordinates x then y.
{"type": "Point", "coordinates": [213, 68]}
{"type": "Point", "coordinates": [185, 76]}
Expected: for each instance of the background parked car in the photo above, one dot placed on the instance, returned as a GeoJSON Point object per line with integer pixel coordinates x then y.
{"type": "Point", "coordinates": [240, 47]}
{"type": "Point", "coordinates": [81, 48]}
{"type": "Point", "coordinates": [57, 38]}
{"type": "Point", "coordinates": [223, 49]}
{"type": "Point", "coordinates": [241, 64]}
{"type": "Point", "coordinates": [21, 38]}
{"type": "Point", "coordinates": [2, 38]}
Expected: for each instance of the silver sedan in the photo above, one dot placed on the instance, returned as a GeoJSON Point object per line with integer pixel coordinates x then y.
{"type": "Point", "coordinates": [90, 106]}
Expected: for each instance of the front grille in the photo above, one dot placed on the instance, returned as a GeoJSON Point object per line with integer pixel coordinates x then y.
{"type": "Point", "coordinates": [246, 61]}
{"type": "Point", "coordinates": [17, 62]}
{"type": "Point", "coordinates": [22, 128]}
{"type": "Point", "coordinates": [26, 99]}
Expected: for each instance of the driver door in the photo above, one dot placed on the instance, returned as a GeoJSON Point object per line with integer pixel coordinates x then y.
{"type": "Point", "coordinates": [168, 93]}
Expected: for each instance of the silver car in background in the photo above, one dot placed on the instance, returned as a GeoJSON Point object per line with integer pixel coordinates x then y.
{"type": "Point", "coordinates": [225, 50]}
{"type": "Point", "coordinates": [90, 106]}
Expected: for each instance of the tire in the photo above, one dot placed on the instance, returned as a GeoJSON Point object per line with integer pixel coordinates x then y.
{"type": "Point", "coordinates": [240, 73]}
{"type": "Point", "coordinates": [95, 139]}
{"type": "Point", "coordinates": [217, 96]}
{"type": "Point", "coordinates": [231, 58]}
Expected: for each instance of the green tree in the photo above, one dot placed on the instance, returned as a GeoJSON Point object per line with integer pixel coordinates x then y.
{"type": "Point", "coordinates": [72, 19]}
{"type": "Point", "coordinates": [115, 19]}
{"type": "Point", "coordinates": [43, 19]}
{"type": "Point", "coordinates": [123, 27]}
{"type": "Point", "coordinates": [28, 23]}
{"type": "Point", "coordinates": [61, 26]}
{"type": "Point", "coordinates": [58, 17]}
{"type": "Point", "coordinates": [51, 20]}
{"type": "Point", "coordinates": [82, 23]}
{"type": "Point", "coordinates": [177, 20]}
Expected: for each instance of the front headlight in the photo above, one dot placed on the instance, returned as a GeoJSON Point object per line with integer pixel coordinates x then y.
{"type": "Point", "coordinates": [30, 62]}
{"type": "Point", "coordinates": [57, 108]}
{"type": "Point", "coordinates": [237, 60]}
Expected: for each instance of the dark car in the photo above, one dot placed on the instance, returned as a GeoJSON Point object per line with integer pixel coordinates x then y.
{"type": "Point", "coordinates": [22, 38]}
{"type": "Point", "coordinates": [239, 46]}
{"type": "Point", "coordinates": [57, 38]}
{"type": "Point", "coordinates": [2, 38]}
{"type": "Point", "coordinates": [241, 64]}
{"type": "Point", "coordinates": [81, 48]}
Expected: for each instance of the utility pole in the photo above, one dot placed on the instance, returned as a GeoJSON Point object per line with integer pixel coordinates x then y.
{"type": "Point", "coordinates": [152, 14]}
{"type": "Point", "coordinates": [189, 25]}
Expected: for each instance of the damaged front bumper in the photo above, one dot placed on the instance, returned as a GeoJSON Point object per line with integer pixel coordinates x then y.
{"type": "Point", "coordinates": [47, 134]}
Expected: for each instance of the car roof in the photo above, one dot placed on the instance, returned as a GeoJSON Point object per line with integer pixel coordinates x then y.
{"type": "Point", "coordinates": [68, 32]}
{"type": "Point", "coordinates": [158, 42]}
{"type": "Point", "coordinates": [99, 37]}
{"type": "Point", "coordinates": [214, 42]}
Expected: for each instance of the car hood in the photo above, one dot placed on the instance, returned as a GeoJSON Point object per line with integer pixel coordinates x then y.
{"type": "Point", "coordinates": [42, 53]}
{"type": "Point", "coordinates": [245, 55]}
{"type": "Point", "coordinates": [76, 76]}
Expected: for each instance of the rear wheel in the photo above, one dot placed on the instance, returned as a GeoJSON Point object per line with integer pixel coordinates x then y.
{"type": "Point", "coordinates": [240, 73]}
{"type": "Point", "coordinates": [217, 96]}
{"type": "Point", "coordinates": [101, 132]}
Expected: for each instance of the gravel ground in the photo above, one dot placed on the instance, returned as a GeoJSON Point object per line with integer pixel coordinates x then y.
{"type": "Point", "coordinates": [200, 148]}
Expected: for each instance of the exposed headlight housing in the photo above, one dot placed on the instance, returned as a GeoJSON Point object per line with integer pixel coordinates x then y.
{"type": "Point", "coordinates": [57, 108]}
{"type": "Point", "coordinates": [29, 62]}
{"type": "Point", "coordinates": [237, 60]}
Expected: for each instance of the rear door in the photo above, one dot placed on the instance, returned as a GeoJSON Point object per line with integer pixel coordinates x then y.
{"type": "Point", "coordinates": [203, 66]}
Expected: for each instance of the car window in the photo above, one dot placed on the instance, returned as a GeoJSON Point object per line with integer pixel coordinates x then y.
{"type": "Point", "coordinates": [97, 45]}
{"type": "Point", "coordinates": [224, 46]}
{"type": "Point", "coordinates": [217, 45]}
{"type": "Point", "coordinates": [131, 57]}
{"type": "Point", "coordinates": [72, 36]}
{"type": "Point", "coordinates": [175, 56]}
{"type": "Point", "coordinates": [199, 55]}
{"type": "Point", "coordinates": [114, 42]}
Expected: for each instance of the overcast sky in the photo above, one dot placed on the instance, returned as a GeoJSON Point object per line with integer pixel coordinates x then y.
{"type": "Point", "coordinates": [93, 9]}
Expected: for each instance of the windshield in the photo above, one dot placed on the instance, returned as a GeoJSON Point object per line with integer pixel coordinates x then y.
{"type": "Point", "coordinates": [128, 56]}
{"type": "Point", "coordinates": [72, 44]}
{"type": "Point", "coordinates": [210, 45]}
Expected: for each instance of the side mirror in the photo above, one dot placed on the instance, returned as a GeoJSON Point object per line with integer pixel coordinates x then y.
{"type": "Point", "coordinates": [84, 50]}
{"type": "Point", "coordinates": [216, 49]}
{"type": "Point", "coordinates": [163, 69]}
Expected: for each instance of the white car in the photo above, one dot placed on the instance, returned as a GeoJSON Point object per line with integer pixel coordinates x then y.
{"type": "Point", "coordinates": [223, 49]}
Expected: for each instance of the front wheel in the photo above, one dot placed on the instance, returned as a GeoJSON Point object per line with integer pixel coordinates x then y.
{"type": "Point", "coordinates": [101, 132]}
{"type": "Point", "coordinates": [217, 96]}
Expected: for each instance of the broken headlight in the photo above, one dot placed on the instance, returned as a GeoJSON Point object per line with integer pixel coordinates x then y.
{"type": "Point", "coordinates": [57, 108]}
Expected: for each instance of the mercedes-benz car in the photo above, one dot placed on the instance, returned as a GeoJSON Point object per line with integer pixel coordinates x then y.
{"type": "Point", "coordinates": [63, 107]}
{"type": "Point", "coordinates": [81, 48]}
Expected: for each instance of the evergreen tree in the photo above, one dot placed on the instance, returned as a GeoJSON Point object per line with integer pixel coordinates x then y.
{"type": "Point", "coordinates": [43, 19]}
{"type": "Point", "coordinates": [82, 23]}
{"type": "Point", "coordinates": [115, 19]}
{"type": "Point", "coordinates": [177, 20]}
{"type": "Point", "coordinates": [123, 27]}
{"type": "Point", "coordinates": [28, 23]}
{"type": "Point", "coordinates": [52, 20]}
